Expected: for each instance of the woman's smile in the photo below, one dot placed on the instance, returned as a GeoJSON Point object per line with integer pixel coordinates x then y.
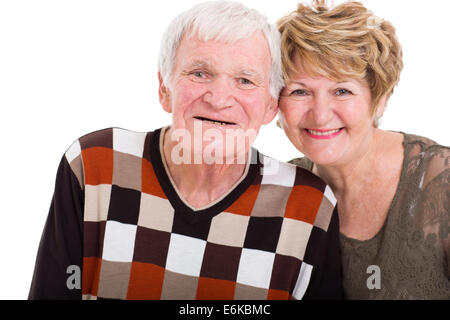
{"type": "Point", "coordinates": [323, 134]}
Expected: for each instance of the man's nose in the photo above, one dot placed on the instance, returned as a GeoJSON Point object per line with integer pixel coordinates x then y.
{"type": "Point", "coordinates": [220, 93]}
{"type": "Point", "coordinates": [322, 109]}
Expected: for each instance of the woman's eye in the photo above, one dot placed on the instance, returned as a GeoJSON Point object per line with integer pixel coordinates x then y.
{"type": "Point", "coordinates": [299, 92]}
{"type": "Point", "coordinates": [342, 92]}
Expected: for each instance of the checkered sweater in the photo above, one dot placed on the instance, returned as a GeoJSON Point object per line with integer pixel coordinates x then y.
{"type": "Point", "coordinates": [116, 215]}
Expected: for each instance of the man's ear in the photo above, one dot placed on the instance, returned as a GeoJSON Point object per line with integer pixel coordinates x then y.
{"type": "Point", "coordinates": [271, 111]}
{"type": "Point", "coordinates": [164, 95]}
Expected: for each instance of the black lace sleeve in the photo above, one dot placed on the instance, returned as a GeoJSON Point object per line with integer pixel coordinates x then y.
{"type": "Point", "coordinates": [434, 204]}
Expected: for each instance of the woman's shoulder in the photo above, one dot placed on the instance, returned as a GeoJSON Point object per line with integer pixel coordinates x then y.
{"type": "Point", "coordinates": [423, 154]}
{"type": "Point", "coordinates": [419, 144]}
{"type": "Point", "coordinates": [303, 162]}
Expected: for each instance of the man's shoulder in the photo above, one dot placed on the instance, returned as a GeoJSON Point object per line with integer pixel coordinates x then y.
{"type": "Point", "coordinates": [93, 156]}
{"type": "Point", "coordinates": [309, 199]}
{"type": "Point", "coordinates": [287, 174]}
{"type": "Point", "coordinates": [112, 139]}
{"type": "Point", "coordinates": [116, 138]}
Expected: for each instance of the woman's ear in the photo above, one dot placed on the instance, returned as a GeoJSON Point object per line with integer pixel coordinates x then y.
{"type": "Point", "coordinates": [164, 95]}
{"type": "Point", "coordinates": [382, 106]}
{"type": "Point", "coordinates": [380, 111]}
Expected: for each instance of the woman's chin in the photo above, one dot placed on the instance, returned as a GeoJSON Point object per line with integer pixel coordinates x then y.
{"type": "Point", "coordinates": [324, 152]}
{"type": "Point", "coordinates": [324, 157]}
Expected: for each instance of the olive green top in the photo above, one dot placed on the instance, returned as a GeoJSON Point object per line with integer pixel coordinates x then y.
{"type": "Point", "coordinates": [409, 257]}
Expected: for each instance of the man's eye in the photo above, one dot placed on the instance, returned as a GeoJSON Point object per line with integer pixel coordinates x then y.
{"type": "Point", "coordinates": [245, 81]}
{"type": "Point", "coordinates": [342, 92]}
{"type": "Point", "coordinates": [198, 74]}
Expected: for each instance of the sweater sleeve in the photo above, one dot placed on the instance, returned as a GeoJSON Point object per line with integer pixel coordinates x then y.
{"type": "Point", "coordinates": [326, 277]}
{"type": "Point", "coordinates": [57, 273]}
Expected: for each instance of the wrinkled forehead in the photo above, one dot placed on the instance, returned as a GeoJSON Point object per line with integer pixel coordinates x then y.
{"type": "Point", "coordinates": [248, 55]}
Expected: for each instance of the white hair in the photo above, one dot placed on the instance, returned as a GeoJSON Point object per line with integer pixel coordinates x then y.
{"type": "Point", "coordinates": [223, 21]}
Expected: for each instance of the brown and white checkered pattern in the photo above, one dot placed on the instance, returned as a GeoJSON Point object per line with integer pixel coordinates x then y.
{"type": "Point", "coordinates": [141, 242]}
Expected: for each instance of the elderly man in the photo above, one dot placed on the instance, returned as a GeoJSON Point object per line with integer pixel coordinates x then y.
{"type": "Point", "coordinates": [191, 211]}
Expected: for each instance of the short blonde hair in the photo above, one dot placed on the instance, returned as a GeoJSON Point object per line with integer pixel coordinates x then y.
{"type": "Point", "coordinates": [347, 41]}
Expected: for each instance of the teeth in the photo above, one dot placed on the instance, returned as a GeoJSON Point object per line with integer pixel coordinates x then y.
{"type": "Point", "coordinates": [216, 122]}
{"type": "Point", "coordinates": [221, 123]}
{"type": "Point", "coordinates": [322, 133]}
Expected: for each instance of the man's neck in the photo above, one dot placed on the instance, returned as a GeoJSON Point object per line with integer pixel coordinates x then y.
{"type": "Point", "coordinates": [201, 184]}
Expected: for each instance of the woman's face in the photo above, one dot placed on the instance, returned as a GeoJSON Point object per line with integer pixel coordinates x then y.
{"type": "Point", "coordinates": [328, 121]}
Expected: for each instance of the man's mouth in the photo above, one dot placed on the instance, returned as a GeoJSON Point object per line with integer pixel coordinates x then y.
{"type": "Point", "coordinates": [219, 122]}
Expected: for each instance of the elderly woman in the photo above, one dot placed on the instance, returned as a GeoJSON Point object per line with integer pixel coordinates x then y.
{"type": "Point", "coordinates": [392, 188]}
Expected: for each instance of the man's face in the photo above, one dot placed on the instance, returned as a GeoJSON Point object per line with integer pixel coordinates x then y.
{"type": "Point", "coordinates": [220, 87]}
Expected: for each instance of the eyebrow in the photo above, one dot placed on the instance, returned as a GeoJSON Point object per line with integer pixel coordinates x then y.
{"type": "Point", "coordinates": [303, 84]}
{"type": "Point", "coordinates": [251, 73]}
{"type": "Point", "coordinates": [297, 82]}
{"type": "Point", "coordinates": [198, 64]}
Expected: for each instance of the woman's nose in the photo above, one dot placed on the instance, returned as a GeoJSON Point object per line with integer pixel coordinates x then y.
{"type": "Point", "coordinates": [322, 110]}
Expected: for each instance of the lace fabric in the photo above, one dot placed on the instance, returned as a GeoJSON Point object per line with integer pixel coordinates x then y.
{"type": "Point", "coordinates": [412, 248]}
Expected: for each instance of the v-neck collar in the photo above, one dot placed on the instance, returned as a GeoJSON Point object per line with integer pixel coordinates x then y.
{"type": "Point", "coordinates": [179, 205]}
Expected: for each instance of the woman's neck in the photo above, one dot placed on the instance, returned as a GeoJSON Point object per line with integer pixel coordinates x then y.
{"type": "Point", "coordinates": [365, 187]}
{"type": "Point", "coordinates": [341, 176]}
{"type": "Point", "coordinates": [382, 155]}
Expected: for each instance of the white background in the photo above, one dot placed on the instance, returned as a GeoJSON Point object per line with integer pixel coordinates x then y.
{"type": "Point", "coordinates": [71, 67]}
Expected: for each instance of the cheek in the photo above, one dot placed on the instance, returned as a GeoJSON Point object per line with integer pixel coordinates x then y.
{"type": "Point", "coordinates": [291, 115]}
{"type": "Point", "coordinates": [252, 104]}
{"type": "Point", "coordinates": [354, 114]}
{"type": "Point", "coordinates": [190, 91]}
{"type": "Point", "coordinates": [285, 110]}
{"type": "Point", "coordinates": [186, 95]}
